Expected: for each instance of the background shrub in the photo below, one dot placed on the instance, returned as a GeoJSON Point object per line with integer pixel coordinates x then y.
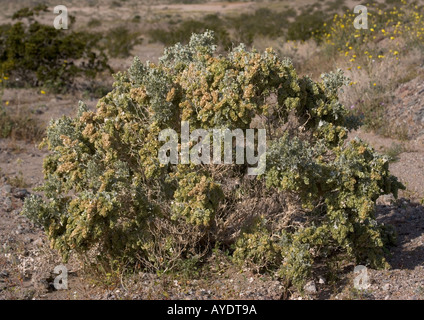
{"type": "Point", "coordinates": [182, 32]}
{"type": "Point", "coordinates": [120, 41]}
{"type": "Point", "coordinates": [40, 55]}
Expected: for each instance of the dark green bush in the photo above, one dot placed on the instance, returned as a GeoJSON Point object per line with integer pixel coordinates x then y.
{"type": "Point", "coordinates": [185, 29]}
{"type": "Point", "coordinates": [120, 41]}
{"type": "Point", "coordinates": [263, 22]}
{"type": "Point", "coordinates": [240, 28]}
{"type": "Point", "coordinates": [94, 23]}
{"type": "Point", "coordinates": [308, 25]}
{"type": "Point", "coordinates": [29, 13]}
{"type": "Point", "coordinates": [40, 55]}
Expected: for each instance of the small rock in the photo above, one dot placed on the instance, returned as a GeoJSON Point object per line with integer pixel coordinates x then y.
{"type": "Point", "coordinates": [8, 206]}
{"type": "Point", "coordinates": [310, 288]}
{"type": "Point", "coordinates": [21, 193]}
{"type": "Point", "coordinates": [4, 274]}
{"type": "Point", "coordinates": [386, 287]}
{"type": "Point", "coordinates": [385, 200]}
{"type": "Point", "coordinates": [27, 240]}
{"type": "Point", "coordinates": [321, 280]}
{"type": "Point", "coordinates": [6, 189]}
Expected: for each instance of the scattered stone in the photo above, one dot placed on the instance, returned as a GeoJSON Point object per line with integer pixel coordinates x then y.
{"type": "Point", "coordinates": [8, 206]}
{"type": "Point", "coordinates": [386, 200]}
{"type": "Point", "coordinates": [6, 189]}
{"type": "Point", "coordinates": [4, 274]}
{"type": "Point", "coordinates": [21, 193]}
{"type": "Point", "coordinates": [310, 288]}
{"type": "Point", "coordinates": [41, 281]}
{"type": "Point", "coordinates": [27, 240]}
{"type": "Point", "coordinates": [38, 243]}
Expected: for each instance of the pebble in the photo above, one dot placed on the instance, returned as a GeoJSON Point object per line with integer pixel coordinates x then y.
{"type": "Point", "coordinates": [386, 287]}
{"type": "Point", "coordinates": [21, 193]}
{"type": "Point", "coordinates": [8, 204]}
{"type": "Point", "coordinates": [6, 189]}
{"type": "Point", "coordinates": [4, 274]}
{"type": "Point", "coordinates": [38, 243]}
{"type": "Point", "coordinates": [310, 287]}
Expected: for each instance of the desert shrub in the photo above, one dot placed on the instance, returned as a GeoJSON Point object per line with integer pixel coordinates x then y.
{"type": "Point", "coordinates": [230, 29]}
{"type": "Point", "coordinates": [335, 5]}
{"type": "Point", "coordinates": [29, 13]}
{"type": "Point", "coordinates": [120, 41]}
{"type": "Point", "coordinates": [399, 27]}
{"type": "Point", "coordinates": [93, 23]}
{"type": "Point", "coordinates": [108, 197]}
{"type": "Point", "coordinates": [307, 25]}
{"type": "Point", "coordinates": [136, 19]}
{"type": "Point", "coordinates": [40, 55]}
{"type": "Point", "coordinates": [377, 59]}
{"type": "Point", "coordinates": [262, 22]}
{"type": "Point", "coordinates": [182, 32]}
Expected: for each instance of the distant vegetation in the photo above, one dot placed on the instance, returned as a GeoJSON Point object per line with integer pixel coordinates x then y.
{"type": "Point", "coordinates": [37, 55]}
{"type": "Point", "coordinates": [34, 54]}
{"type": "Point", "coordinates": [241, 28]}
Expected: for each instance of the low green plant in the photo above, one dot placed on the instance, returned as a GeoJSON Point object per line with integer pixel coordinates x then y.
{"type": "Point", "coordinates": [308, 25]}
{"type": "Point", "coordinates": [120, 41]}
{"type": "Point", "coordinates": [263, 22]}
{"type": "Point", "coordinates": [29, 13]}
{"type": "Point", "coordinates": [18, 181]}
{"type": "Point", "coordinates": [94, 23]}
{"type": "Point", "coordinates": [182, 32]}
{"type": "Point", "coordinates": [394, 151]}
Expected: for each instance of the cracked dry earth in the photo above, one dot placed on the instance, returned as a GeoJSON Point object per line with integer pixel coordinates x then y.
{"type": "Point", "coordinates": [27, 263]}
